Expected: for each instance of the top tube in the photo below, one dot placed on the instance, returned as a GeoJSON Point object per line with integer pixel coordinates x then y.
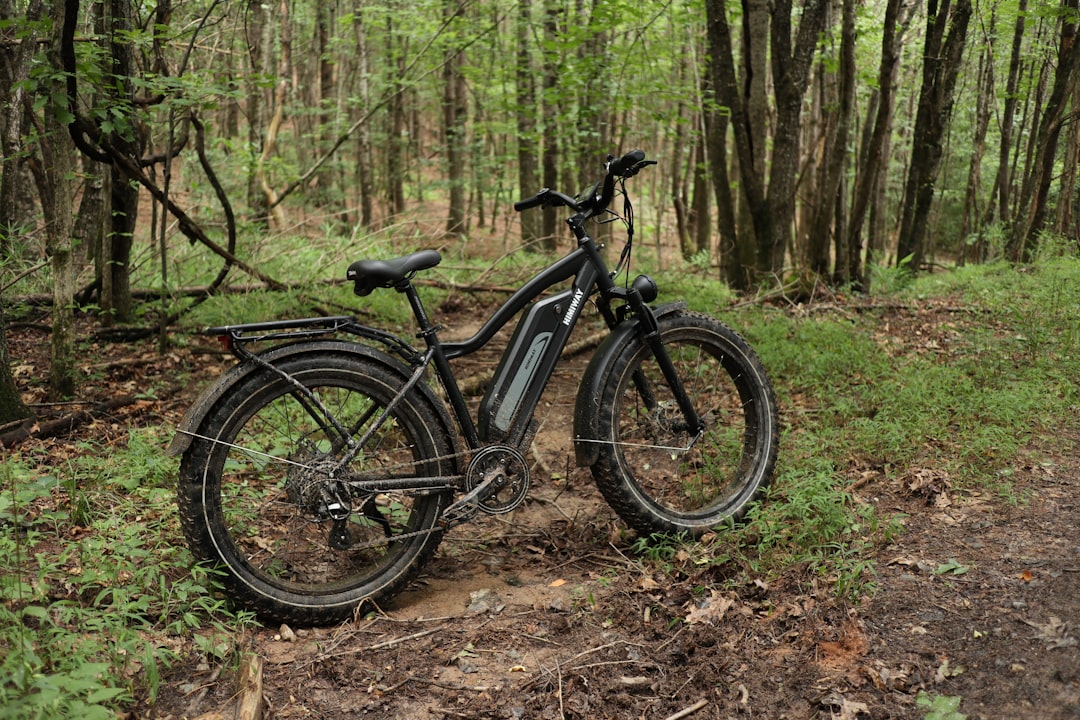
{"type": "Point", "coordinates": [560, 270]}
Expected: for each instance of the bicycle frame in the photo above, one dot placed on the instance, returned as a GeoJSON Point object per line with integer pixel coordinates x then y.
{"type": "Point", "coordinates": [526, 365]}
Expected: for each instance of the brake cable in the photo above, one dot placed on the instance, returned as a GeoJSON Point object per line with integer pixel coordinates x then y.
{"type": "Point", "coordinates": [627, 218]}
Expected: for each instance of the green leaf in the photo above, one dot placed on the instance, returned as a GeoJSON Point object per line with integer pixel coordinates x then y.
{"type": "Point", "coordinates": [942, 707]}
{"type": "Point", "coordinates": [102, 694]}
{"type": "Point", "coordinates": [951, 567]}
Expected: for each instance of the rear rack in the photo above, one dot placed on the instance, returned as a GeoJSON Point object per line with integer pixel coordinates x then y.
{"type": "Point", "coordinates": [235, 336]}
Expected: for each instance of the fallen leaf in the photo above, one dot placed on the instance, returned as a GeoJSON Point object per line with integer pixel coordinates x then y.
{"type": "Point", "coordinates": [557, 583]}
{"type": "Point", "coordinates": [946, 671]}
{"type": "Point", "coordinates": [951, 567]}
{"type": "Point", "coordinates": [1055, 632]}
{"type": "Point", "coordinates": [709, 610]}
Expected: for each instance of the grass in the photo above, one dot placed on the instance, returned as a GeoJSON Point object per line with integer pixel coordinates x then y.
{"type": "Point", "coordinates": [97, 592]}
{"type": "Point", "coordinates": [987, 358]}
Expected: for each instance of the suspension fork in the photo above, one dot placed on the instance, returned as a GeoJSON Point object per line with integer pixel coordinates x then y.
{"type": "Point", "coordinates": [647, 326]}
{"type": "Point", "coordinates": [650, 332]}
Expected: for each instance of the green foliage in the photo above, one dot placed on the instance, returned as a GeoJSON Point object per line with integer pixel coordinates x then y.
{"type": "Point", "coordinates": [940, 707]}
{"type": "Point", "coordinates": [92, 580]}
{"type": "Point", "coordinates": [858, 402]}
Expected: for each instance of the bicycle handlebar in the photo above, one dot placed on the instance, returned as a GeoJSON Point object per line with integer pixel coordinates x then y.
{"type": "Point", "coordinates": [627, 166]}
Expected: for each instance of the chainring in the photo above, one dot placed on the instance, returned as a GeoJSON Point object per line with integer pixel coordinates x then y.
{"type": "Point", "coordinates": [503, 475]}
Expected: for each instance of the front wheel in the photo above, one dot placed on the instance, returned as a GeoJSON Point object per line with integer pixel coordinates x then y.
{"type": "Point", "coordinates": [263, 496]}
{"type": "Point", "coordinates": [653, 469]}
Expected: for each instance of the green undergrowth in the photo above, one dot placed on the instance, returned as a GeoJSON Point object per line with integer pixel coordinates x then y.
{"type": "Point", "coordinates": [949, 374]}
{"type": "Point", "coordinates": [98, 594]}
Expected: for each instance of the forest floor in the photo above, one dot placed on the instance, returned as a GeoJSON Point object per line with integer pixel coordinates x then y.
{"type": "Point", "coordinates": [545, 612]}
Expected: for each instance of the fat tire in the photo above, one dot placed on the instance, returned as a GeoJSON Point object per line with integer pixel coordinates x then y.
{"type": "Point", "coordinates": [273, 550]}
{"type": "Point", "coordinates": [655, 488]}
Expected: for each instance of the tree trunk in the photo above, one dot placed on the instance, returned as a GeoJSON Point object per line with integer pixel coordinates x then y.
{"type": "Point", "coordinates": [1066, 206]}
{"type": "Point", "coordinates": [12, 407]}
{"type": "Point", "coordinates": [942, 61]}
{"type": "Point", "coordinates": [835, 158]}
{"type": "Point", "coordinates": [978, 146]}
{"type": "Point", "coordinates": [395, 148]}
{"type": "Point", "coordinates": [549, 152]}
{"type": "Point", "coordinates": [365, 164]}
{"type": "Point", "coordinates": [715, 125]}
{"type": "Point", "coordinates": [791, 72]}
{"type": "Point", "coordinates": [1003, 183]}
{"type": "Point", "coordinates": [15, 59]}
{"type": "Point", "coordinates": [14, 69]}
{"type": "Point", "coordinates": [678, 188]}
{"type": "Point", "coordinates": [528, 173]}
{"type": "Point", "coordinates": [1033, 205]}
{"type": "Point", "coordinates": [256, 29]}
{"type": "Point", "coordinates": [56, 188]}
{"type": "Point", "coordinates": [868, 201]}
{"type": "Point", "coordinates": [455, 111]}
{"type": "Point", "coordinates": [739, 259]}
{"type": "Point", "coordinates": [116, 23]}
{"type": "Point", "coordinates": [700, 222]}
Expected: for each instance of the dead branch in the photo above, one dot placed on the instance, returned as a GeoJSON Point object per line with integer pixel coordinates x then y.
{"type": "Point", "coordinates": [686, 712]}
{"type": "Point", "coordinates": [64, 425]}
{"type": "Point", "coordinates": [250, 706]}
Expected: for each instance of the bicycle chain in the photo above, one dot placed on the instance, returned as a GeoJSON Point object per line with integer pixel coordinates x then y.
{"type": "Point", "coordinates": [449, 518]}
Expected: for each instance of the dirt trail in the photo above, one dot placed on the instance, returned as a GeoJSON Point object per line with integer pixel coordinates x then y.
{"type": "Point", "coordinates": [543, 613]}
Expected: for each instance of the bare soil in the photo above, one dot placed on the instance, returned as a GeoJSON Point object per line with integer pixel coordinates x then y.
{"type": "Point", "coordinates": [545, 612]}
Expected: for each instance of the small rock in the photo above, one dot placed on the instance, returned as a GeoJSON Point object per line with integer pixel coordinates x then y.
{"type": "Point", "coordinates": [482, 601]}
{"type": "Point", "coordinates": [286, 633]}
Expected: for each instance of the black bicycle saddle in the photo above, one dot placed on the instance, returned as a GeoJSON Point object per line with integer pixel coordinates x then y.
{"type": "Point", "coordinates": [370, 274]}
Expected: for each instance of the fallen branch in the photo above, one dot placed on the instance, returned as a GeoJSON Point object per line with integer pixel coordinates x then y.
{"type": "Point", "coordinates": [63, 425]}
{"type": "Point", "coordinates": [686, 712]}
{"type": "Point", "coordinates": [250, 705]}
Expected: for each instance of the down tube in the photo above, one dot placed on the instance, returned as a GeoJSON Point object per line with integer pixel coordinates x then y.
{"type": "Point", "coordinates": [529, 360]}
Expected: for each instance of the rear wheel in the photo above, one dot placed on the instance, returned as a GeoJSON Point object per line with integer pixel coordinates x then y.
{"type": "Point", "coordinates": [260, 496]}
{"type": "Point", "coordinates": [652, 469]}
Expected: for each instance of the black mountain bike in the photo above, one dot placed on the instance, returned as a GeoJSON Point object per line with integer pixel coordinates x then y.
{"type": "Point", "coordinates": [321, 473]}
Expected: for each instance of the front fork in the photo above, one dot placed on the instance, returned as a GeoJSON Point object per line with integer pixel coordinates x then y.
{"type": "Point", "coordinates": [649, 330]}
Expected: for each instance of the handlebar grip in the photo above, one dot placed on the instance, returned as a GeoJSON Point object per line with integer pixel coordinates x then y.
{"type": "Point", "coordinates": [626, 163]}
{"type": "Point", "coordinates": [535, 201]}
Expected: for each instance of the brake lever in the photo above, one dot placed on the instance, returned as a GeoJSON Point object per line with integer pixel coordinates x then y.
{"type": "Point", "coordinates": [638, 167]}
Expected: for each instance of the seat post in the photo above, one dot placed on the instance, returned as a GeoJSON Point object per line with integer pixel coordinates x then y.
{"type": "Point", "coordinates": [427, 330]}
{"type": "Point", "coordinates": [429, 333]}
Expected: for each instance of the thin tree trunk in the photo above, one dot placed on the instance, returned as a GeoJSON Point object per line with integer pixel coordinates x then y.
{"type": "Point", "coordinates": [277, 117]}
{"type": "Point", "coordinates": [751, 186]}
{"type": "Point", "coordinates": [123, 206]}
{"type": "Point", "coordinates": [395, 148]}
{"type": "Point", "coordinates": [1003, 183]}
{"type": "Point", "coordinates": [942, 60]}
{"type": "Point", "coordinates": [822, 227]}
{"type": "Point", "coordinates": [715, 126]}
{"type": "Point", "coordinates": [455, 110]}
{"type": "Point", "coordinates": [549, 152]}
{"type": "Point", "coordinates": [984, 97]}
{"type": "Point", "coordinates": [791, 66]}
{"type": "Point", "coordinates": [1066, 206]}
{"type": "Point", "coordinates": [15, 67]}
{"type": "Point", "coordinates": [528, 174]}
{"type": "Point", "coordinates": [1025, 237]}
{"type": "Point", "coordinates": [256, 29]}
{"type": "Point", "coordinates": [364, 166]}
{"type": "Point", "coordinates": [56, 188]}
{"type": "Point", "coordinates": [700, 222]}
